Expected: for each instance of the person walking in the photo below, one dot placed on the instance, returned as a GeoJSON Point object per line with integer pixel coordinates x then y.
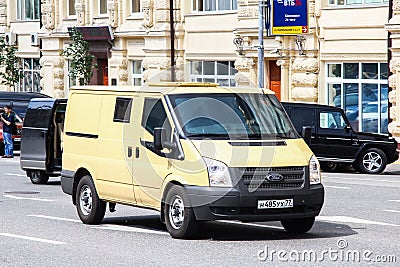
{"type": "Point", "coordinates": [8, 120]}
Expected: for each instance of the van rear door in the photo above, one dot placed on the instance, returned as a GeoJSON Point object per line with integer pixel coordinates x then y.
{"type": "Point", "coordinates": [36, 133]}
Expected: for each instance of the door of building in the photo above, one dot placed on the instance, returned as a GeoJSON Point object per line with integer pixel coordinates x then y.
{"type": "Point", "coordinates": [274, 78]}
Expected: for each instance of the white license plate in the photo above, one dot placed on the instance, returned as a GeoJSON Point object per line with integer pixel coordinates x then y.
{"type": "Point", "coordinates": [17, 139]}
{"type": "Point", "coordinates": [275, 204]}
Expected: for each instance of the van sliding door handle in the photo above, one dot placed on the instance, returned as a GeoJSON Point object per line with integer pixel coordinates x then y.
{"type": "Point", "coordinates": [137, 153]}
{"type": "Point", "coordinates": [43, 134]}
{"type": "Point", "coordinates": [129, 151]}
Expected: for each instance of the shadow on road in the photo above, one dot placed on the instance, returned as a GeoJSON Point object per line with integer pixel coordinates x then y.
{"type": "Point", "coordinates": [235, 231]}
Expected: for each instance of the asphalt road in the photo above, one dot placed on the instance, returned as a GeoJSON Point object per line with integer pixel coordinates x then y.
{"type": "Point", "coordinates": [359, 225]}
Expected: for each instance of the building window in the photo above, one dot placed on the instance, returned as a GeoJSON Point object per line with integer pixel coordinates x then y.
{"type": "Point", "coordinates": [102, 7]}
{"type": "Point", "coordinates": [30, 81]}
{"type": "Point", "coordinates": [214, 5]}
{"type": "Point", "coordinates": [355, 2]}
{"type": "Point", "coordinates": [71, 8]}
{"type": "Point", "coordinates": [28, 9]}
{"type": "Point", "coordinates": [137, 72]}
{"type": "Point", "coordinates": [361, 90]}
{"type": "Point", "coordinates": [221, 72]}
{"type": "Point", "coordinates": [136, 6]}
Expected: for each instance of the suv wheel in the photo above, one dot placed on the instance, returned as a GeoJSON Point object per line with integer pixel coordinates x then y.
{"type": "Point", "coordinates": [90, 207]}
{"type": "Point", "coordinates": [329, 166]}
{"type": "Point", "coordinates": [371, 161]}
{"type": "Point", "coordinates": [179, 216]}
{"type": "Point", "coordinates": [38, 177]}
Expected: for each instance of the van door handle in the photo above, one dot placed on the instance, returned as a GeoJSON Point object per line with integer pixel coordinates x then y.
{"type": "Point", "coordinates": [43, 134]}
{"type": "Point", "coordinates": [129, 151]}
{"type": "Point", "coordinates": [137, 153]}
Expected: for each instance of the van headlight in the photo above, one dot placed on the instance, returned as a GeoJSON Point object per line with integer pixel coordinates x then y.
{"type": "Point", "coordinates": [218, 173]}
{"type": "Point", "coordinates": [315, 173]}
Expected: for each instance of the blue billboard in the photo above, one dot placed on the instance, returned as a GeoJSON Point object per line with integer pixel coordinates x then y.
{"type": "Point", "coordinates": [289, 17]}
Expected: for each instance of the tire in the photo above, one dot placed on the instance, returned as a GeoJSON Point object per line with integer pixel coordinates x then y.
{"type": "Point", "coordinates": [90, 207]}
{"type": "Point", "coordinates": [179, 216]}
{"type": "Point", "coordinates": [329, 166]}
{"type": "Point", "coordinates": [371, 161]}
{"type": "Point", "coordinates": [298, 226]}
{"type": "Point", "coordinates": [38, 177]}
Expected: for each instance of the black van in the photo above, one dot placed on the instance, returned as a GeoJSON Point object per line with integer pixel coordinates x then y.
{"type": "Point", "coordinates": [41, 139]}
{"type": "Point", "coordinates": [334, 141]}
{"type": "Point", "coordinates": [19, 101]}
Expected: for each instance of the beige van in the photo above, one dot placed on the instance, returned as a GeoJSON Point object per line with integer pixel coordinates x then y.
{"type": "Point", "coordinates": [193, 151]}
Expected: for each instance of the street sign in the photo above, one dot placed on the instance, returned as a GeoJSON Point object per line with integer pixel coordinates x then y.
{"type": "Point", "coordinates": [289, 17]}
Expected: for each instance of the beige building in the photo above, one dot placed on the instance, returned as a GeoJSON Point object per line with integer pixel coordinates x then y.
{"type": "Point", "coordinates": [342, 62]}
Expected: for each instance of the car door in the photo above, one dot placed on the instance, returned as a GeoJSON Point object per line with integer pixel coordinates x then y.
{"type": "Point", "coordinates": [335, 138]}
{"type": "Point", "coordinates": [305, 117]}
{"type": "Point", "coordinates": [150, 166]}
{"type": "Point", "coordinates": [35, 135]}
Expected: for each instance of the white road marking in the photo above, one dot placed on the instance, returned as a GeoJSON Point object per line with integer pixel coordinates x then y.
{"type": "Point", "coordinates": [54, 218]}
{"type": "Point", "coordinates": [124, 228]}
{"type": "Point", "coordinates": [394, 200]}
{"type": "Point", "coordinates": [394, 211]}
{"type": "Point", "coordinates": [33, 239]}
{"type": "Point", "coordinates": [364, 179]}
{"type": "Point", "coordinates": [254, 224]}
{"type": "Point", "coordinates": [15, 174]}
{"type": "Point", "coordinates": [346, 219]}
{"type": "Point", "coordinates": [28, 198]}
{"type": "Point", "coordinates": [336, 187]}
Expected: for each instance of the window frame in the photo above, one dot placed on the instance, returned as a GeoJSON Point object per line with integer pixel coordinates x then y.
{"type": "Point", "coordinates": [196, 3]}
{"type": "Point", "coordinates": [361, 82]}
{"type": "Point", "coordinates": [21, 10]}
{"type": "Point", "coordinates": [137, 76]}
{"type": "Point", "coordinates": [22, 85]}
{"type": "Point", "coordinates": [128, 111]}
{"type": "Point", "coordinates": [138, 13]}
{"type": "Point", "coordinates": [69, 9]}
{"type": "Point", "coordinates": [359, 5]}
{"type": "Point", "coordinates": [99, 8]}
{"type": "Point", "coordinates": [214, 78]}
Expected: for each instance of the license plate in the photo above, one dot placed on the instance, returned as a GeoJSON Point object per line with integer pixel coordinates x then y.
{"type": "Point", "coordinates": [17, 139]}
{"type": "Point", "coordinates": [275, 204]}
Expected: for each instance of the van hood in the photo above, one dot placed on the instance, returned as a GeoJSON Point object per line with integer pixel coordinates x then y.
{"type": "Point", "coordinates": [249, 153]}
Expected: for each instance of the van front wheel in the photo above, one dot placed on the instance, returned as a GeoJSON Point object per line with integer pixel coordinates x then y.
{"type": "Point", "coordinates": [298, 226]}
{"type": "Point", "coordinates": [90, 207]}
{"type": "Point", "coordinates": [179, 216]}
{"type": "Point", "coordinates": [38, 177]}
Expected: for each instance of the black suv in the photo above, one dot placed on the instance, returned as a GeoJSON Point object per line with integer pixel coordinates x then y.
{"type": "Point", "coordinates": [334, 142]}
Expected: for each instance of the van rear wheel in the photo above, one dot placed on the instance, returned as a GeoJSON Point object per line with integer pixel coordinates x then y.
{"type": "Point", "coordinates": [38, 177]}
{"type": "Point", "coordinates": [90, 207]}
{"type": "Point", "coordinates": [179, 216]}
{"type": "Point", "coordinates": [298, 226]}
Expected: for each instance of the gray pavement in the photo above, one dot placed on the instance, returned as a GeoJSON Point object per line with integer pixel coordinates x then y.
{"type": "Point", "coordinates": [39, 226]}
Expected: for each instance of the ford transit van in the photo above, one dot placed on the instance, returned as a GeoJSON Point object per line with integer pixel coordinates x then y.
{"type": "Point", "coordinates": [193, 151]}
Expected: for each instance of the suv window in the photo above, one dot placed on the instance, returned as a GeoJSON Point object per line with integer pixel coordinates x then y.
{"type": "Point", "coordinates": [122, 112]}
{"type": "Point", "coordinates": [302, 117]}
{"type": "Point", "coordinates": [154, 116]}
{"type": "Point", "coordinates": [331, 120]}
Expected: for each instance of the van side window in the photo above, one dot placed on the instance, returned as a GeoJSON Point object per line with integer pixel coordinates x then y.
{"type": "Point", "coordinates": [122, 112]}
{"type": "Point", "coordinates": [331, 120]}
{"type": "Point", "coordinates": [38, 116]}
{"type": "Point", "coordinates": [302, 117]}
{"type": "Point", "coordinates": [154, 116]}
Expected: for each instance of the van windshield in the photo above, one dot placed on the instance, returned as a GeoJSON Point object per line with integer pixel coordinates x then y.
{"type": "Point", "coordinates": [231, 116]}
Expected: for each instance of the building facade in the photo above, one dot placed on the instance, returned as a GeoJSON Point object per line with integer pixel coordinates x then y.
{"type": "Point", "coordinates": [341, 62]}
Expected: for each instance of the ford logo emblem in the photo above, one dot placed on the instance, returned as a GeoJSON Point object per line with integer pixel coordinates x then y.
{"type": "Point", "coordinates": [274, 177]}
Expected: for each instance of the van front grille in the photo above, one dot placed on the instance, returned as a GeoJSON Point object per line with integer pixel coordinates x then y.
{"type": "Point", "coordinates": [272, 177]}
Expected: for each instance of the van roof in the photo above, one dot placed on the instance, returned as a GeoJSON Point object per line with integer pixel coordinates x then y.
{"type": "Point", "coordinates": [173, 88]}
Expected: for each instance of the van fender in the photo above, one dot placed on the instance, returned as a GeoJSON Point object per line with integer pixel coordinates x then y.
{"type": "Point", "coordinates": [82, 170]}
{"type": "Point", "coordinates": [169, 180]}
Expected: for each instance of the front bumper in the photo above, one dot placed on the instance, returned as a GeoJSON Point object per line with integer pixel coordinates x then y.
{"type": "Point", "coordinates": [213, 203]}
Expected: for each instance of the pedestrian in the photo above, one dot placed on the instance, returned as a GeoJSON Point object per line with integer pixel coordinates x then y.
{"type": "Point", "coordinates": [8, 120]}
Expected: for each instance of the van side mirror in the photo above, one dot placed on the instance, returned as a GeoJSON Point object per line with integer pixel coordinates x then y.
{"type": "Point", "coordinates": [306, 134]}
{"type": "Point", "coordinates": [158, 134]}
{"type": "Point", "coordinates": [159, 137]}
